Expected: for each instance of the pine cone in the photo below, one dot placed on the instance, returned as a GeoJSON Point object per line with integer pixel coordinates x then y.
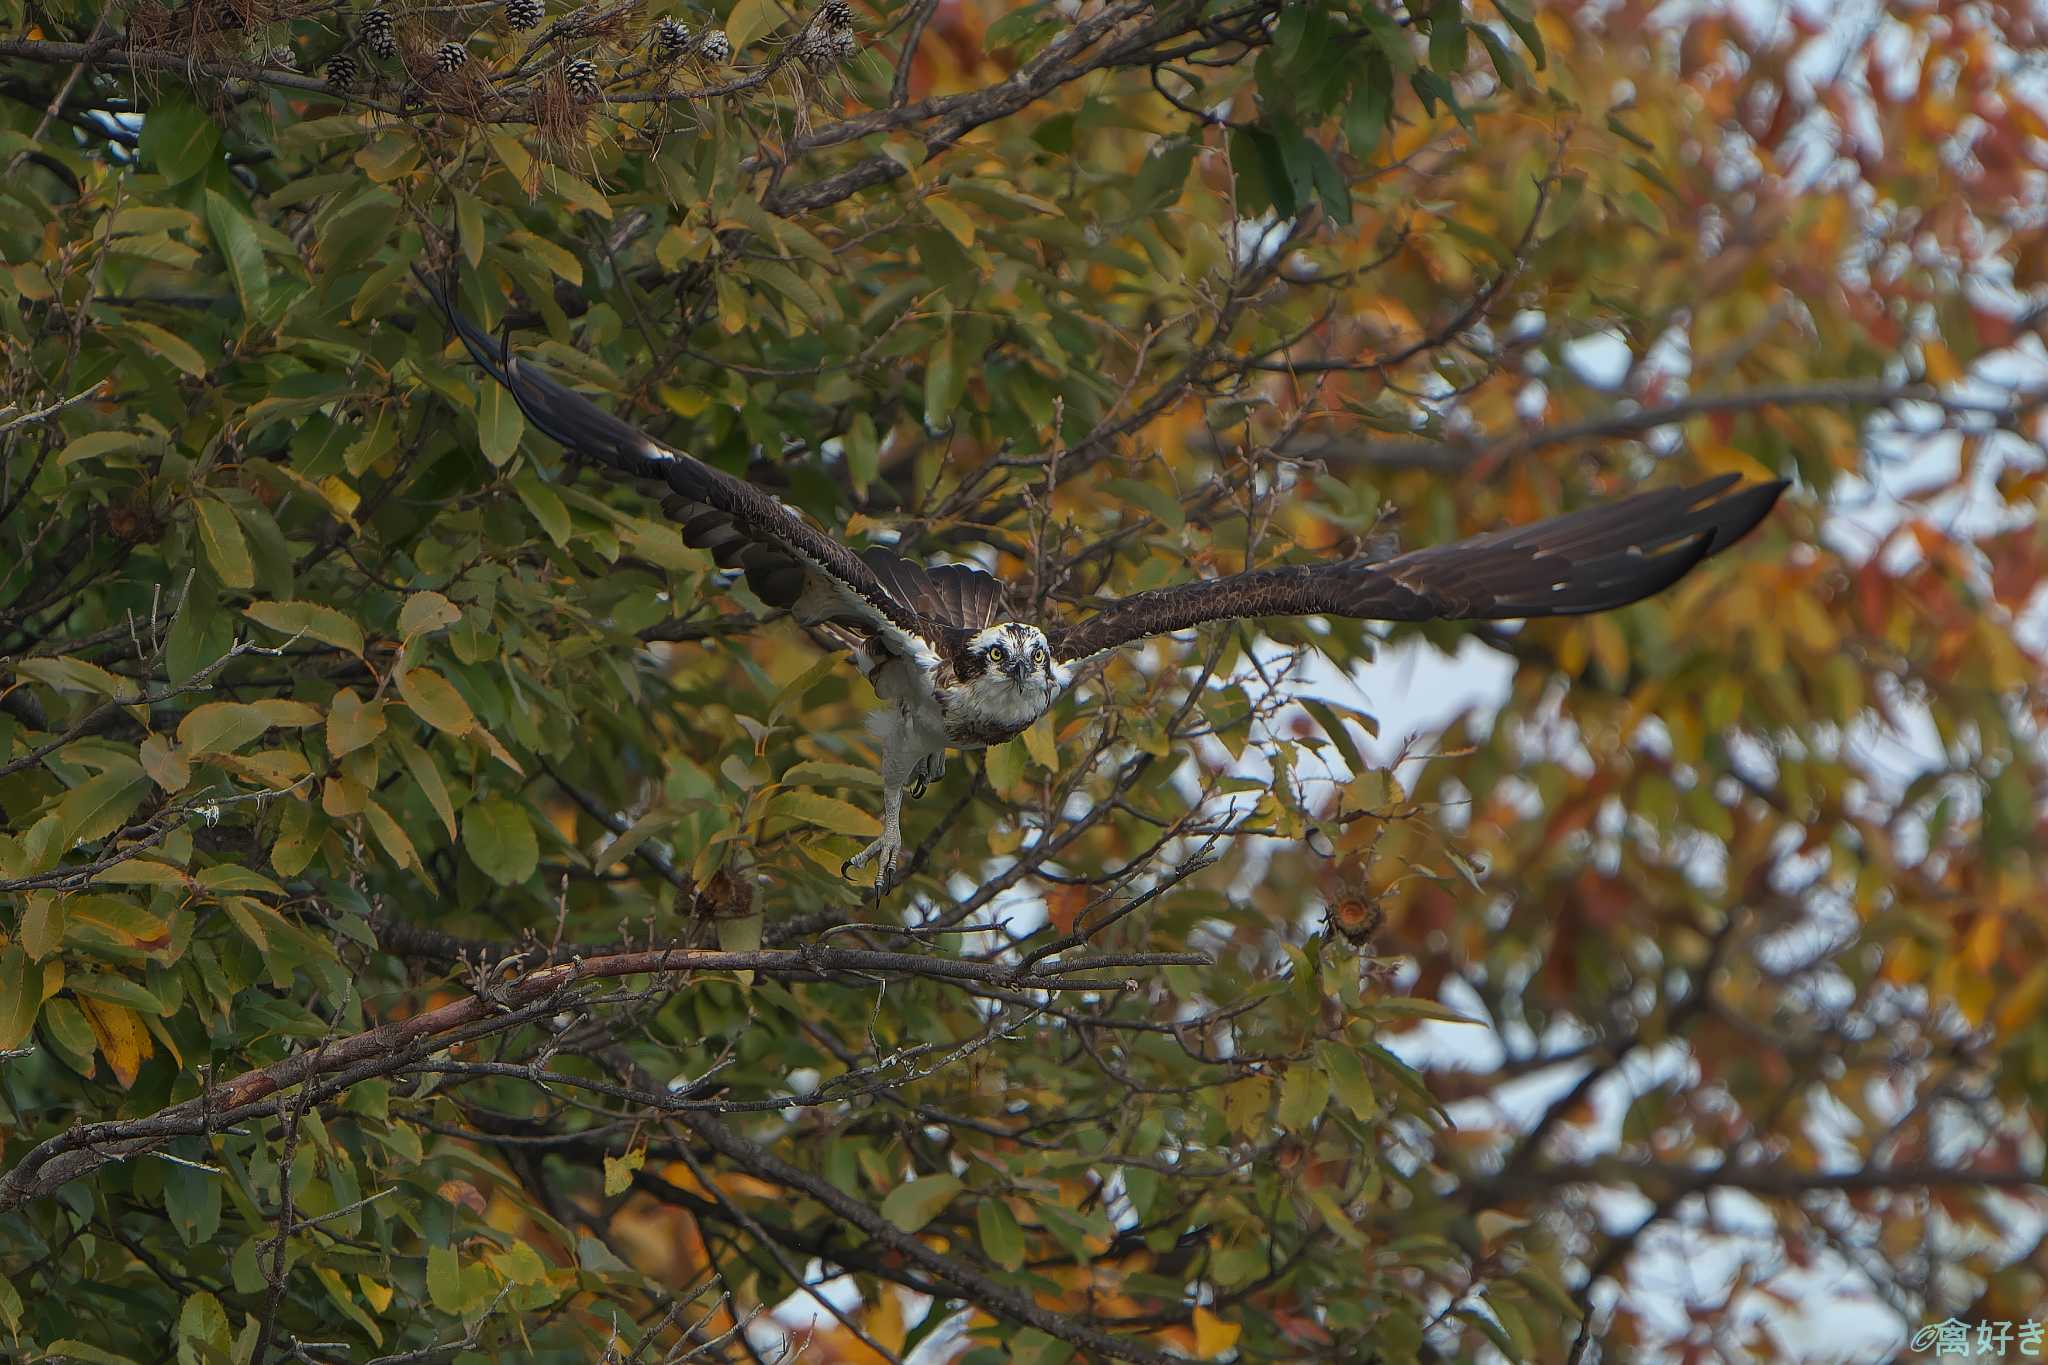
{"type": "Point", "coordinates": [450, 56]}
{"type": "Point", "coordinates": [671, 38]}
{"type": "Point", "coordinates": [824, 49]}
{"type": "Point", "coordinates": [714, 46]}
{"type": "Point", "coordinates": [378, 34]}
{"type": "Point", "coordinates": [282, 58]}
{"type": "Point", "coordinates": [581, 78]}
{"type": "Point", "coordinates": [838, 14]}
{"type": "Point", "coordinates": [341, 74]}
{"type": "Point", "coordinates": [523, 14]}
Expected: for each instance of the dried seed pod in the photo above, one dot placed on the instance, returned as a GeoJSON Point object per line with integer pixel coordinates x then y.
{"type": "Point", "coordinates": [523, 14]}
{"type": "Point", "coordinates": [714, 46]}
{"type": "Point", "coordinates": [838, 14]}
{"type": "Point", "coordinates": [282, 58]}
{"type": "Point", "coordinates": [449, 57]}
{"type": "Point", "coordinates": [341, 74]}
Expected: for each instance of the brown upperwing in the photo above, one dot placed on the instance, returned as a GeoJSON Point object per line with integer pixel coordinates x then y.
{"type": "Point", "coordinates": [742, 526]}
{"type": "Point", "coordinates": [1585, 561]}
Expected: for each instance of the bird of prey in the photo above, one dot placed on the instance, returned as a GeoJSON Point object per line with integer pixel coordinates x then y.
{"type": "Point", "coordinates": [957, 669]}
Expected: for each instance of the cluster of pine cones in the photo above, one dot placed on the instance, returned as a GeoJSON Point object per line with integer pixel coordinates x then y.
{"type": "Point", "coordinates": [377, 33]}
{"type": "Point", "coordinates": [826, 42]}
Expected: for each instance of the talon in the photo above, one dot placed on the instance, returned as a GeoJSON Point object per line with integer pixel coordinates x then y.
{"type": "Point", "coordinates": [917, 787]}
{"type": "Point", "coordinates": [846, 870]}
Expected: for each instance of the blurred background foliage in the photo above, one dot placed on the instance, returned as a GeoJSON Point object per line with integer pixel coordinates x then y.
{"type": "Point", "coordinates": [1681, 999]}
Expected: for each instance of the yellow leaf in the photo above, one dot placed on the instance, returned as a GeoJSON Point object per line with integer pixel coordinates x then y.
{"type": "Point", "coordinates": [351, 724]}
{"type": "Point", "coordinates": [123, 1041]}
{"type": "Point", "coordinates": [226, 547]}
{"type": "Point", "coordinates": [391, 835]}
{"type": "Point", "coordinates": [378, 1294]}
{"type": "Point", "coordinates": [1038, 740]}
{"type": "Point", "coordinates": [619, 1171]}
{"type": "Point", "coordinates": [434, 700]}
{"type": "Point", "coordinates": [952, 219]}
{"type": "Point", "coordinates": [1214, 1336]}
{"type": "Point", "coordinates": [342, 796]}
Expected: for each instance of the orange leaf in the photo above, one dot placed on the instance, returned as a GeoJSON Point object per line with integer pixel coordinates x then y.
{"type": "Point", "coordinates": [1214, 1336]}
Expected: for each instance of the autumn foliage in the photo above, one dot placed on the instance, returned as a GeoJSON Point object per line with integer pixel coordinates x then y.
{"type": "Point", "coordinates": [421, 930]}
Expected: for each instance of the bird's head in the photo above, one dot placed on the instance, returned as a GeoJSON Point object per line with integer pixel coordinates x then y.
{"type": "Point", "coordinates": [1010, 652]}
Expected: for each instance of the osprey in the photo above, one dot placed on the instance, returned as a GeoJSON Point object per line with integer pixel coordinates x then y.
{"type": "Point", "coordinates": [957, 670]}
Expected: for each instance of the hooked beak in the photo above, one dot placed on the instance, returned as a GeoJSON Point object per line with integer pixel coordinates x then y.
{"type": "Point", "coordinates": [1016, 668]}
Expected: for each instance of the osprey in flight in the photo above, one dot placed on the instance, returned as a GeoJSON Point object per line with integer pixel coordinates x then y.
{"type": "Point", "coordinates": [957, 670]}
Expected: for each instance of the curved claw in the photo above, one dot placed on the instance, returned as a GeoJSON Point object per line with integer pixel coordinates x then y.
{"type": "Point", "coordinates": [846, 870]}
{"type": "Point", "coordinates": [917, 785]}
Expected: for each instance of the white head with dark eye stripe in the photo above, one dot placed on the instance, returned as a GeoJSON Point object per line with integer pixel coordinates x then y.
{"type": "Point", "coordinates": [1011, 651]}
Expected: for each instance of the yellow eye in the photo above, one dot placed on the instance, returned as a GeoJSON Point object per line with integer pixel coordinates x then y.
{"type": "Point", "coordinates": [996, 652]}
{"type": "Point", "coordinates": [1039, 654]}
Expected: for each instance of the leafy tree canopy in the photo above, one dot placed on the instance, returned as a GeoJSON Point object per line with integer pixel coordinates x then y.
{"type": "Point", "coordinates": [424, 936]}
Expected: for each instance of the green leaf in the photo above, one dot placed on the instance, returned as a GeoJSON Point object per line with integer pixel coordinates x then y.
{"type": "Point", "coordinates": [226, 548]}
{"type": "Point", "coordinates": [221, 727]}
{"type": "Point", "coordinates": [42, 924]}
{"type": "Point", "coordinates": [1516, 12]}
{"type": "Point", "coordinates": [99, 805]}
{"type": "Point", "coordinates": [235, 236]}
{"type": "Point", "coordinates": [498, 836]}
{"type": "Point", "coordinates": [826, 812]}
{"type": "Point", "coordinates": [21, 998]}
{"type": "Point", "coordinates": [444, 1279]}
{"type": "Point", "coordinates": [911, 1206]}
{"type": "Point", "coordinates": [1370, 107]}
{"type": "Point", "coordinates": [425, 611]}
{"type": "Point", "coordinates": [67, 1349]}
{"type": "Point", "coordinates": [119, 989]}
{"type": "Point", "coordinates": [749, 20]}
{"type": "Point", "coordinates": [500, 426]}
{"type": "Point", "coordinates": [544, 503]}
{"type": "Point", "coordinates": [96, 445]}
{"type": "Point", "coordinates": [556, 259]}
{"type": "Point", "coordinates": [1447, 45]}
{"type": "Point", "coordinates": [945, 382]}
{"type": "Point", "coordinates": [1348, 1080]}
{"type": "Point", "coordinates": [169, 345]}
{"type": "Point", "coordinates": [1162, 503]}
{"type": "Point", "coordinates": [75, 675]}
{"type": "Point", "coordinates": [1005, 764]}
{"type": "Point", "coordinates": [427, 773]}
{"type": "Point", "coordinates": [1002, 1240]}
{"type": "Point", "coordinates": [1303, 1093]}
{"type": "Point", "coordinates": [322, 623]}
{"type": "Point", "coordinates": [179, 138]}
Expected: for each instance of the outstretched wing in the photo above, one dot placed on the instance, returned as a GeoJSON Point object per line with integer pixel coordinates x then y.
{"type": "Point", "coordinates": [1590, 560]}
{"type": "Point", "coordinates": [788, 562]}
